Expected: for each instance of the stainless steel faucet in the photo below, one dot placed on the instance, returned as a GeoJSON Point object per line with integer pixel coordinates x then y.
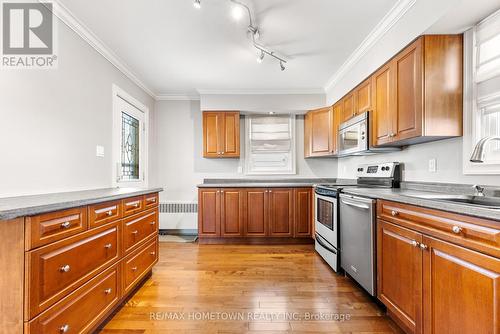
{"type": "Point", "coordinates": [478, 154]}
{"type": "Point", "coordinates": [478, 190]}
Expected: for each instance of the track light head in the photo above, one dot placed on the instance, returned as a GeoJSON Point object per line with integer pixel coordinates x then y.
{"type": "Point", "coordinates": [197, 4]}
{"type": "Point", "coordinates": [260, 58]}
{"type": "Point", "coordinates": [282, 66]}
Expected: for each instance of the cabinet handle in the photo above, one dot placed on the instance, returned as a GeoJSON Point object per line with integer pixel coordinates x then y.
{"type": "Point", "coordinates": [394, 213]}
{"type": "Point", "coordinates": [152, 223]}
{"type": "Point", "coordinates": [222, 153]}
{"type": "Point", "coordinates": [65, 225]}
{"type": "Point", "coordinates": [456, 229]}
{"type": "Point", "coordinates": [152, 253]}
{"type": "Point", "coordinates": [65, 268]}
{"type": "Point", "coordinates": [222, 191]}
{"type": "Point", "coordinates": [108, 291]}
{"type": "Point", "coordinates": [109, 213]}
{"type": "Point", "coordinates": [414, 243]}
{"type": "Point", "coordinates": [134, 268]}
{"type": "Point", "coordinates": [64, 329]}
{"type": "Point", "coordinates": [152, 199]}
{"type": "Point", "coordinates": [423, 247]}
{"type": "Point", "coordinates": [108, 246]}
{"type": "Point", "coordinates": [135, 232]}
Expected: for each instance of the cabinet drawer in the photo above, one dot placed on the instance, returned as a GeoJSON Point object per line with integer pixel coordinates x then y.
{"type": "Point", "coordinates": [137, 264]}
{"type": "Point", "coordinates": [151, 201]}
{"type": "Point", "coordinates": [53, 226]}
{"type": "Point", "coordinates": [57, 269]}
{"type": "Point", "coordinates": [139, 227]}
{"type": "Point", "coordinates": [83, 309]}
{"type": "Point", "coordinates": [132, 205]}
{"type": "Point", "coordinates": [102, 213]}
{"type": "Point", "coordinates": [475, 233]}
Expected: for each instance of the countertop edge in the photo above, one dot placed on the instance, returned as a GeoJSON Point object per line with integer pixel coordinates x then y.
{"type": "Point", "coordinates": [39, 209]}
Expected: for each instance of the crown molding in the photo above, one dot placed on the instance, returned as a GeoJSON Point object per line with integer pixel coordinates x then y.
{"type": "Point", "coordinates": [387, 22]}
{"type": "Point", "coordinates": [65, 15]}
{"type": "Point", "coordinates": [177, 97]}
{"type": "Point", "coordinates": [313, 91]}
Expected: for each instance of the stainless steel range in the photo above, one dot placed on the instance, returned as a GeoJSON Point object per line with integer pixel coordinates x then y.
{"type": "Point", "coordinates": [345, 224]}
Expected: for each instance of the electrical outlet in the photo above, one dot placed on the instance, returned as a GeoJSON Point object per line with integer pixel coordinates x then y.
{"type": "Point", "coordinates": [240, 170]}
{"type": "Point", "coordinates": [99, 151]}
{"type": "Point", "coordinates": [432, 165]}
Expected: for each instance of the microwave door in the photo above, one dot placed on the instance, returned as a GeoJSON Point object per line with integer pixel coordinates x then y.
{"type": "Point", "coordinates": [350, 139]}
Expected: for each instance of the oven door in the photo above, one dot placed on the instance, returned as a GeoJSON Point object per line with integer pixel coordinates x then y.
{"type": "Point", "coordinates": [353, 138]}
{"type": "Point", "coordinates": [325, 219]}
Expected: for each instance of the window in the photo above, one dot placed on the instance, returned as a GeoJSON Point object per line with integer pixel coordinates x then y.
{"type": "Point", "coordinates": [129, 140]}
{"type": "Point", "coordinates": [270, 145]}
{"type": "Point", "coordinates": [482, 93]}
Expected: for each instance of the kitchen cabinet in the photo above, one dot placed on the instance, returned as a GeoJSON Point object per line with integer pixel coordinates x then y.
{"type": "Point", "coordinates": [438, 272]}
{"type": "Point", "coordinates": [221, 134]}
{"type": "Point", "coordinates": [318, 132]}
{"type": "Point", "coordinates": [417, 95]}
{"type": "Point", "coordinates": [255, 212]}
{"type": "Point", "coordinates": [363, 97]}
{"type": "Point", "coordinates": [348, 107]}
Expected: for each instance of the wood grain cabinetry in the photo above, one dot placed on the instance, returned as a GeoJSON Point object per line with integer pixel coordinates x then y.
{"type": "Point", "coordinates": [255, 212]}
{"type": "Point", "coordinates": [67, 269]}
{"type": "Point", "coordinates": [438, 272]}
{"type": "Point", "coordinates": [221, 134]}
{"type": "Point", "coordinates": [417, 95]}
{"type": "Point", "coordinates": [320, 136]}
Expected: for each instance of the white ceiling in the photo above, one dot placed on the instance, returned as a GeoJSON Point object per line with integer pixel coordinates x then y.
{"type": "Point", "coordinates": [175, 49]}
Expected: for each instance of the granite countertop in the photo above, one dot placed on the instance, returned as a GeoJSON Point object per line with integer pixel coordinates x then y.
{"type": "Point", "coordinates": [404, 196]}
{"type": "Point", "coordinates": [263, 183]}
{"type": "Point", "coordinates": [14, 207]}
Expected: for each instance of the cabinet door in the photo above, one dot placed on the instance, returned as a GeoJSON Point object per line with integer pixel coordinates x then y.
{"type": "Point", "coordinates": [232, 215]}
{"type": "Point", "coordinates": [211, 133]}
{"type": "Point", "coordinates": [321, 122]}
{"type": "Point", "coordinates": [303, 212]}
{"type": "Point", "coordinates": [337, 116]}
{"type": "Point", "coordinates": [363, 97]}
{"type": "Point", "coordinates": [256, 212]}
{"type": "Point", "coordinates": [230, 145]}
{"type": "Point", "coordinates": [307, 134]}
{"type": "Point", "coordinates": [461, 290]}
{"type": "Point", "coordinates": [384, 105]}
{"type": "Point", "coordinates": [209, 212]}
{"type": "Point", "coordinates": [399, 273]}
{"type": "Point", "coordinates": [348, 105]}
{"type": "Point", "coordinates": [409, 88]}
{"type": "Point", "coordinates": [281, 212]}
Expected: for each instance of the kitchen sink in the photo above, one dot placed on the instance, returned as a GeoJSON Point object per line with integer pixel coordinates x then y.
{"type": "Point", "coordinates": [480, 201]}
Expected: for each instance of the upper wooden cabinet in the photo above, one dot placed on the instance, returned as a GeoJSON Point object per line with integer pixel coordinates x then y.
{"type": "Point", "coordinates": [417, 96]}
{"type": "Point", "coordinates": [319, 138]}
{"type": "Point", "coordinates": [221, 134]}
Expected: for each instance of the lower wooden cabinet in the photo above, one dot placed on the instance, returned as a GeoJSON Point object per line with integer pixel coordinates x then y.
{"type": "Point", "coordinates": [255, 212]}
{"type": "Point", "coordinates": [431, 285]}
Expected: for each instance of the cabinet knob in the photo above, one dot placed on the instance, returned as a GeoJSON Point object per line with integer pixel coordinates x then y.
{"type": "Point", "coordinates": [65, 268]}
{"type": "Point", "coordinates": [109, 213]}
{"type": "Point", "coordinates": [108, 246]}
{"type": "Point", "coordinates": [423, 247]}
{"type": "Point", "coordinates": [456, 229]}
{"type": "Point", "coordinates": [152, 223]}
{"type": "Point", "coordinates": [152, 253]}
{"type": "Point", "coordinates": [221, 152]}
{"type": "Point", "coordinates": [134, 268]}
{"type": "Point", "coordinates": [394, 213]}
{"type": "Point", "coordinates": [136, 205]}
{"type": "Point", "coordinates": [135, 232]}
{"type": "Point", "coordinates": [64, 329]}
{"type": "Point", "coordinates": [108, 291]}
{"type": "Point", "coordinates": [414, 243]}
{"type": "Point", "coordinates": [222, 191]}
{"type": "Point", "coordinates": [65, 225]}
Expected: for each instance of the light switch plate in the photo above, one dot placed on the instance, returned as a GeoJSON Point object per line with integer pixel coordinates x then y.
{"type": "Point", "coordinates": [432, 165]}
{"type": "Point", "coordinates": [99, 151]}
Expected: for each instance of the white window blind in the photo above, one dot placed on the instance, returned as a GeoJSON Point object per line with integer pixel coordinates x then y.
{"type": "Point", "coordinates": [487, 81]}
{"type": "Point", "coordinates": [270, 145]}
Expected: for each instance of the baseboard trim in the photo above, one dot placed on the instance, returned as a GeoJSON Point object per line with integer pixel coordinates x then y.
{"type": "Point", "coordinates": [179, 231]}
{"type": "Point", "coordinates": [255, 241]}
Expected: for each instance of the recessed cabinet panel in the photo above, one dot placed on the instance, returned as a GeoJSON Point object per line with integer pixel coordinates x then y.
{"type": "Point", "coordinates": [209, 212]}
{"type": "Point", "coordinates": [281, 212]}
{"type": "Point", "coordinates": [383, 123]}
{"type": "Point", "coordinates": [256, 218]}
{"type": "Point", "coordinates": [221, 134]}
{"type": "Point", "coordinates": [232, 214]}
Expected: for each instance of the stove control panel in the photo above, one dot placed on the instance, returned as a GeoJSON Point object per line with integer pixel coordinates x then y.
{"type": "Point", "coordinates": [382, 170]}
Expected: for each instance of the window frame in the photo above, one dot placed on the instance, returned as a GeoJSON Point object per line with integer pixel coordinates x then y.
{"type": "Point", "coordinates": [120, 95]}
{"type": "Point", "coordinates": [293, 131]}
{"type": "Point", "coordinates": [471, 114]}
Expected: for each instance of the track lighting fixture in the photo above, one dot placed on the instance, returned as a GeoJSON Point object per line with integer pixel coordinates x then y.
{"type": "Point", "coordinates": [197, 4]}
{"type": "Point", "coordinates": [260, 58]}
{"type": "Point", "coordinates": [282, 66]}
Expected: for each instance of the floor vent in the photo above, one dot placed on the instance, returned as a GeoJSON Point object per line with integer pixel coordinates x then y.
{"type": "Point", "coordinates": [178, 207]}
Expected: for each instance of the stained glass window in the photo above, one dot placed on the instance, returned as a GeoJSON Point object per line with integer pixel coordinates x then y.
{"type": "Point", "coordinates": [130, 147]}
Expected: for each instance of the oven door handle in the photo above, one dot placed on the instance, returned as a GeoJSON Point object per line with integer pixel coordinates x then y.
{"type": "Point", "coordinates": [357, 205]}
{"type": "Point", "coordinates": [318, 239]}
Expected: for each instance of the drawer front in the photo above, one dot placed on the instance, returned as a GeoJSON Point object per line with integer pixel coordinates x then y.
{"type": "Point", "coordinates": [102, 213]}
{"type": "Point", "coordinates": [53, 226]}
{"type": "Point", "coordinates": [132, 205]}
{"type": "Point", "coordinates": [475, 233]}
{"type": "Point", "coordinates": [139, 227]}
{"type": "Point", "coordinates": [83, 309]}
{"type": "Point", "coordinates": [137, 264]}
{"type": "Point", "coordinates": [151, 201]}
{"type": "Point", "coordinates": [58, 269]}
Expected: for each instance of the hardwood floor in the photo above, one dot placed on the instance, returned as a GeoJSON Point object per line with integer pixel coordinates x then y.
{"type": "Point", "coordinates": [265, 289]}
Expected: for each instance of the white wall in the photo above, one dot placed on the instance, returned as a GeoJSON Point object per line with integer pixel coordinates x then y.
{"type": "Point", "coordinates": [52, 120]}
{"type": "Point", "coordinates": [448, 154]}
{"type": "Point", "coordinates": [181, 165]}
